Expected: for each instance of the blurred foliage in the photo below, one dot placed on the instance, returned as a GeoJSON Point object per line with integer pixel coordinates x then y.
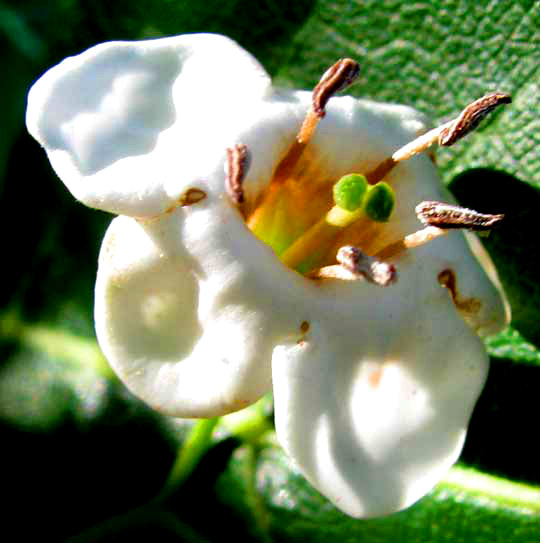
{"type": "Point", "coordinates": [81, 456]}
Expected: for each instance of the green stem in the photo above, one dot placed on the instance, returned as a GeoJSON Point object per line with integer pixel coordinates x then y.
{"type": "Point", "coordinates": [196, 444]}
{"type": "Point", "coordinates": [251, 423]}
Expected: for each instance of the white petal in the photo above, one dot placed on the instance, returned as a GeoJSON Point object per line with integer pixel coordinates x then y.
{"type": "Point", "coordinates": [192, 338]}
{"type": "Point", "coordinates": [129, 125]}
{"type": "Point", "coordinates": [494, 311]}
{"type": "Point", "coordinates": [375, 427]}
{"type": "Point", "coordinates": [373, 406]}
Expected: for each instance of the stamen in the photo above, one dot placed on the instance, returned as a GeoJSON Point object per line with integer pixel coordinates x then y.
{"type": "Point", "coordinates": [380, 171]}
{"type": "Point", "coordinates": [440, 218]}
{"type": "Point", "coordinates": [421, 237]}
{"type": "Point", "coordinates": [333, 272]}
{"type": "Point", "coordinates": [446, 134]}
{"type": "Point", "coordinates": [451, 216]}
{"type": "Point", "coordinates": [237, 165]}
{"type": "Point", "coordinates": [416, 239]}
{"type": "Point", "coordinates": [361, 264]}
{"type": "Point", "coordinates": [336, 78]}
{"type": "Point", "coordinates": [472, 115]}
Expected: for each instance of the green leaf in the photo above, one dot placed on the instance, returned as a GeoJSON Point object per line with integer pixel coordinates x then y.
{"type": "Point", "coordinates": [50, 373]}
{"type": "Point", "coordinates": [437, 57]}
{"type": "Point", "coordinates": [512, 345]}
{"type": "Point", "coordinates": [467, 506]}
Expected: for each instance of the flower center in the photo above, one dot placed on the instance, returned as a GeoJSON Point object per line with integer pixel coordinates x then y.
{"type": "Point", "coordinates": [300, 215]}
{"type": "Point", "coordinates": [307, 248]}
{"type": "Point", "coordinates": [313, 223]}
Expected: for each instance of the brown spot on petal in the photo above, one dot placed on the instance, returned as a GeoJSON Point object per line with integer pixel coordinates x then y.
{"type": "Point", "coordinates": [447, 278]}
{"type": "Point", "coordinates": [192, 196]}
{"type": "Point", "coordinates": [304, 327]}
{"type": "Point", "coordinates": [375, 377]}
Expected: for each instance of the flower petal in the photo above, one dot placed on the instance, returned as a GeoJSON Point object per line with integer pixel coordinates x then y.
{"type": "Point", "coordinates": [118, 121]}
{"type": "Point", "coordinates": [191, 331]}
{"type": "Point", "coordinates": [373, 405]}
{"type": "Point", "coordinates": [374, 409]}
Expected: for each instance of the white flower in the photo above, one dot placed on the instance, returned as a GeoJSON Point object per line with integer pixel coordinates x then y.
{"type": "Point", "coordinates": [373, 386]}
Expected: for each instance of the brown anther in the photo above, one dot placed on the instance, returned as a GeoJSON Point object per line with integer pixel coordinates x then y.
{"type": "Point", "coordinates": [451, 216]}
{"type": "Point", "coordinates": [338, 77]}
{"type": "Point", "coordinates": [447, 279]}
{"type": "Point", "coordinates": [191, 196]}
{"type": "Point", "coordinates": [470, 117]}
{"type": "Point", "coordinates": [446, 134]}
{"type": "Point", "coordinates": [361, 264]}
{"type": "Point", "coordinates": [237, 165]}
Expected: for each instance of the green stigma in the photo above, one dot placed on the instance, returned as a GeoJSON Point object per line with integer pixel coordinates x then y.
{"type": "Point", "coordinates": [349, 191]}
{"type": "Point", "coordinates": [379, 202]}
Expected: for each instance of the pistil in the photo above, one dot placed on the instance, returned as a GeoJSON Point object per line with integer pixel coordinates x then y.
{"type": "Point", "coordinates": [354, 200]}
